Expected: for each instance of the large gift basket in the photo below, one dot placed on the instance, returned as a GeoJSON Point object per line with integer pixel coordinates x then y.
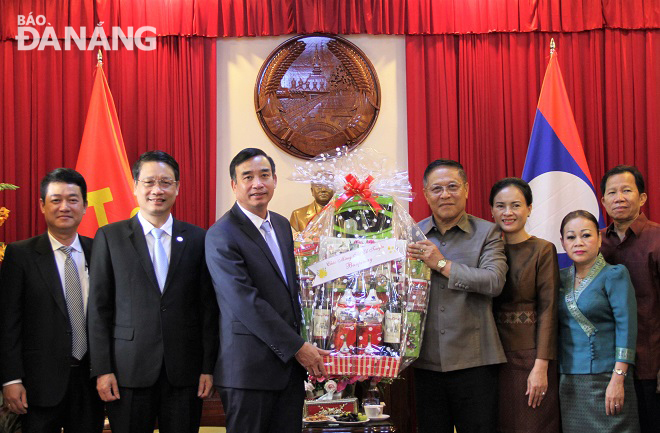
{"type": "Point", "coordinates": [362, 297]}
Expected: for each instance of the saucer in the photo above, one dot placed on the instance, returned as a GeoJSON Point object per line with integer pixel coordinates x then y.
{"type": "Point", "coordinates": [379, 417]}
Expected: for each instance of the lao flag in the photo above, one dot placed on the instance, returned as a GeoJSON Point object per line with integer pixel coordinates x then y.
{"type": "Point", "coordinates": [103, 163]}
{"type": "Point", "coordinates": [555, 167]}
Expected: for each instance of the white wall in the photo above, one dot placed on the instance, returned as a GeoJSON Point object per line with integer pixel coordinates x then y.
{"type": "Point", "coordinates": [239, 61]}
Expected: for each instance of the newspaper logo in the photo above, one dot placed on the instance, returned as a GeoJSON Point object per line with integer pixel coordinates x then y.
{"type": "Point", "coordinates": [29, 37]}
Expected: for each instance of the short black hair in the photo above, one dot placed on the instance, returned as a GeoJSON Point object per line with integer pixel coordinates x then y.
{"type": "Point", "coordinates": [155, 156]}
{"type": "Point", "coordinates": [64, 175]}
{"type": "Point", "coordinates": [244, 155]}
{"type": "Point", "coordinates": [511, 181]}
{"type": "Point", "coordinates": [444, 163]}
{"type": "Point", "coordinates": [577, 214]}
{"type": "Point", "coordinates": [639, 179]}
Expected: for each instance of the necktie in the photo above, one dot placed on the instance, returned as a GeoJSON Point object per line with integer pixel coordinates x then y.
{"type": "Point", "coordinates": [271, 240]}
{"type": "Point", "coordinates": [74, 304]}
{"type": "Point", "coordinates": [160, 258]}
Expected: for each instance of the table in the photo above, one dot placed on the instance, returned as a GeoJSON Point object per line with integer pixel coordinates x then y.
{"type": "Point", "coordinates": [370, 427]}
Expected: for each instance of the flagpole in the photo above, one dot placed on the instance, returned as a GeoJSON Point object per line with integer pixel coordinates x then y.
{"type": "Point", "coordinates": [102, 160]}
{"type": "Point", "coordinates": [556, 162]}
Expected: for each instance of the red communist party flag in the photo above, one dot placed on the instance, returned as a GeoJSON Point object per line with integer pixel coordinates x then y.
{"type": "Point", "coordinates": [102, 161]}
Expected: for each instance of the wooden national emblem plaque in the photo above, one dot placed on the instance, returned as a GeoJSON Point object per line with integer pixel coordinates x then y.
{"type": "Point", "coordinates": [316, 93]}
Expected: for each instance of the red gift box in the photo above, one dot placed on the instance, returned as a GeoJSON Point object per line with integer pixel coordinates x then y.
{"type": "Point", "coordinates": [418, 295]}
{"type": "Point", "coordinates": [339, 365]}
{"type": "Point", "coordinates": [362, 365]}
{"type": "Point", "coordinates": [312, 407]}
{"type": "Point", "coordinates": [368, 333]}
{"type": "Point", "coordinates": [345, 333]}
{"type": "Point", "coordinates": [377, 366]}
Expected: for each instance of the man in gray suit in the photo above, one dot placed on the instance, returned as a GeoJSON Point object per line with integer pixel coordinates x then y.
{"type": "Point", "coordinates": [456, 373]}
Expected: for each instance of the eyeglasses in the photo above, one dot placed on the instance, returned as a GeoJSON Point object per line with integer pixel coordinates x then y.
{"type": "Point", "coordinates": [165, 183]}
{"type": "Point", "coordinates": [452, 188]}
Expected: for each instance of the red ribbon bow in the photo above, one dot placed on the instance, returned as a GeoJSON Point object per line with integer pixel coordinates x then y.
{"type": "Point", "coordinates": [354, 188]}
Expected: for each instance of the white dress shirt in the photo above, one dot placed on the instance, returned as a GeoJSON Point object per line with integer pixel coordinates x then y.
{"type": "Point", "coordinates": [78, 256]}
{"type": "Point", "coordinates": [258, 221]}
{"type": "Point", "coordinates": [165, 238]}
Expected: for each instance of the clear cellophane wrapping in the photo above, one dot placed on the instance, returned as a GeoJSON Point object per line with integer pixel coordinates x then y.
{"type": "Point", "coordinates": [370, 318]}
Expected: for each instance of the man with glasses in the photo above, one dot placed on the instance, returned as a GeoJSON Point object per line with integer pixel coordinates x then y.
{"type": "Point", "coordinates": [456, 373]}
{"type": "Point", "coordinates": [153, 318]}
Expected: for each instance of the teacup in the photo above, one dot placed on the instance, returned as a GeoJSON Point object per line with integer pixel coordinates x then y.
{"type": "Point", "coordinates": [373, 410]}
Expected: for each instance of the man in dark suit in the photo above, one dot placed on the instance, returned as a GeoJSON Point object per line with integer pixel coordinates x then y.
{"type": "Point", "coordinates": [153, 319]}
{"type": "Point", "coordinates": [262, 359]}
{"type": "Point", "coordinates": [44, 366]}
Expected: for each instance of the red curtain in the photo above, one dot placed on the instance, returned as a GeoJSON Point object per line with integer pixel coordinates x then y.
{"type": "Point", "coordinates": [473, 98]}
{"type": "Point", "coordinates": [165, 100]}
{"type": "Point", "coordinates": [213, 18]}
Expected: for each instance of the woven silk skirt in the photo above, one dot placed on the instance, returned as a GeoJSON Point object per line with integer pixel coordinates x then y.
{"type": "Point", "coordinates": [582, 402]}
{"type": "Point", "coordinates": [515, 416]}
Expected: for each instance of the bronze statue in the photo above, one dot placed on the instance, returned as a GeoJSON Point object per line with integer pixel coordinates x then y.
{"type": "Point", "coordinates": [301, 217]}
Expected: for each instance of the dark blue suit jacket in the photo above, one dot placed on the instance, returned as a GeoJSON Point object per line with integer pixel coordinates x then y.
{"type": "Point", "coordinates": [259, 312]}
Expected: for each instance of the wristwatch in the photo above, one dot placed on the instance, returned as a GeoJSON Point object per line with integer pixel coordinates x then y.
{"type": "Point", "coordinates": [442, 263]}
{"type": "Point", "coordinates": [620, 372]}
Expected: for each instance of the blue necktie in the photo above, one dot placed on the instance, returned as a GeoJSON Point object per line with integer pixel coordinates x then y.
{"type": "Point", "coordinates": [271, 240]}
{"type": "Point", "coordinates": [75, 306]}
{"type": "Point", "coordinates": [160, 258]}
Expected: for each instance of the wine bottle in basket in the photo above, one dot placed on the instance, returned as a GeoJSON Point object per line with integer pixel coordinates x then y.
{"type": "Point", "coordinates": [321, 317]}
{"type": "Point", "coordinates": [393, 316]}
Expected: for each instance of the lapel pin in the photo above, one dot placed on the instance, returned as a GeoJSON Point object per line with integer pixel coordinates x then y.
{"type": "Point", "coordinates": [179, 239]}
